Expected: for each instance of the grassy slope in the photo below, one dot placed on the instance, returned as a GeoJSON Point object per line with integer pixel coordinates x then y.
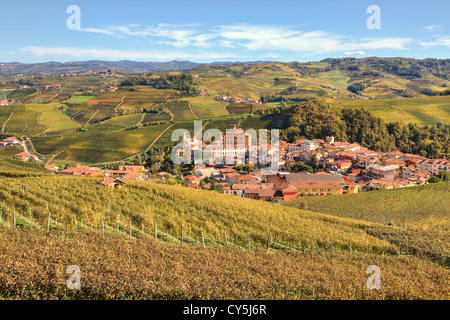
{"type": "Point", "coordinates": [425, 206]}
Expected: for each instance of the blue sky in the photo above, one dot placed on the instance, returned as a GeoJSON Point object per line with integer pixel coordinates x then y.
{"type": "Point", "coordinates": [206, 31]}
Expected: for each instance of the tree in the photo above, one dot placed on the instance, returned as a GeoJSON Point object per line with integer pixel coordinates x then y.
{"type": "Point", "coordinates": [434, 179]}
{"type": "Point", "coordinates": [443, 175]}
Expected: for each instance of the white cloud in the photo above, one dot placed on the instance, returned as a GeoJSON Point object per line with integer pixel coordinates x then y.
{"type": "Point", "coordinates": [271, 58]}
{"type": "Point", "coordinates": [434, 27]}
{"type": "Point", "coordinates": [253, 37]}
{"type": "Point", "coordinates": [95, 30]}
{"type": "Point", "coordinates": [112, 54]}
{"type": "Point", "coordinates": [354, 53]}
{"type": "Point", "coordinates": [442, 41]}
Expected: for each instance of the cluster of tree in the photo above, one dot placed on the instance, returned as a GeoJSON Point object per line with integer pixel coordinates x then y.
{"type": "Point", "coordinates": [181, 82]}
{"type": "Point", "coordinates": [27, 81]}
{"type": "Point", "coordinates": [214, 186]}
{"type": "Point", "coordinates": [147, 124]}
{"type": "Point", "coordinates": [358, 87]}
{"type": "Point", "coordinates": [279, 97]}
{"type": "Point", "coordinates": [315, 118]}
{"type": "Point", "coordinates": [159, 159]}
{"type": "Point", "coordinates": [244, 168]}
{"type": "Point", "coordinates": [305, 68]}
{"type": "Point", "coordinates": [441, 176]}
{"type": "Point", "coordinates": [404, 67]}
{"type": "Point", "coordinates": [431, 92]}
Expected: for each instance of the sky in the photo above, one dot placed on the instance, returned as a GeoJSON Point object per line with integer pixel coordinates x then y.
{"type": "Point", "coordinates": [231, 30]}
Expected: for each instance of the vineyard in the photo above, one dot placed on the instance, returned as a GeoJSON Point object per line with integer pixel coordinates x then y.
{"type": "Point", "coordinates": [10, 167]}
{"type": "Point", "coordinates": [425, 206]}
{"type": "Point", "coordinates": [34, 265]}
{"type": "Point", "coordinates": [154, 241]}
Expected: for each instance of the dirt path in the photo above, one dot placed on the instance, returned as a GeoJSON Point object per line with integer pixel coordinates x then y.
{"type": "Point", "coordinates": [4, 124]}
{"type": "Point", "coordinates": [39, 122]}
{"type": "Point", "coordinates": [123, 100]}
{"type": "Point", "coordinates": [92, 116]}
{"type": "Point", "coordinates": [25, 147]}
{"type": "Point", "coordinates": [142, 119]}
{"type": "Point", "coordinates": [158, 137]}
{"type": "Point", "coordinates": [189, 104]}
{"type": "Point", "coordinates": [54, 96]}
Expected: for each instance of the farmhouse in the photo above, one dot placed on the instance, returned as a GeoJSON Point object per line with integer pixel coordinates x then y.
{"type": "Point", "coordinates": [25, 156]}
{"type": "Point", "coordinates": [51, 167]}
{"type": "Point", "coordinates": [112, 182]}
{"type": "Point", "coordinates": [11, 140]}
{"type": "Point", "coordinates": [133, 176]}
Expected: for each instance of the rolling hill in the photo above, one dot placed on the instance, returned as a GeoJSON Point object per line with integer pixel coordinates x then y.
{"type": "Point", "coordinates": [293, 254]}
{"type": "Point", "coordinates": [425, 206]}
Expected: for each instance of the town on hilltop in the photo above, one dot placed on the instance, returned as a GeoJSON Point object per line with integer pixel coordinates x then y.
{"type": "Point", "coordinates": [304, 167]}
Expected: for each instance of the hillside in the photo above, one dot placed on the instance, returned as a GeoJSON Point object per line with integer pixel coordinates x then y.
{"type": "Point", "coordinates": [144, 203]}
{"type": "Point", "coordinates": [34, 265]}
{"type": "Point", "coordinates": [293, 254]}
{"type": "Point", "coordinates": [92, 118]}
{"type": "Point", "coordinates": [425, 206]}
{"type": "Point", "coordinates": [12, 168]}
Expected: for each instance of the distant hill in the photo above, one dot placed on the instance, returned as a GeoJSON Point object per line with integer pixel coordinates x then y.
{"type": "Point", "coordinates": [53, 67]}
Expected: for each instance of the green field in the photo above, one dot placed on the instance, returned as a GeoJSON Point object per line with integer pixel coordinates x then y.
{"type": "Point", "coordinates": [428, 110]}
{"type": "Point", "coordinates": [79, 99]}
{"type": "Point", "coordinates": [117, 123]}
{"type": "Point", "coordinates": [179, 109]}
{"type": "Point", "coordinates": [207, 107]}
{"type": "Point", "coordinates": [23, 121]}
{"type": "Point", "coordinates": [422, 206]}
{"type": "Point", "coordinates": [98, 147]}
{"type": "Point", "coordinates": [55, 120]}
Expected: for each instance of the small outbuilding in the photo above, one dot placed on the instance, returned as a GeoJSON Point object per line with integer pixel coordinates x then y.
{"type": "Point", "coordinates": [112, 182]}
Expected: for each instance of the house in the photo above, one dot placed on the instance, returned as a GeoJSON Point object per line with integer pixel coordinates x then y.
{"type": "Point", "coordinates": [191, 179]}
{"type": "Point", "coordinates": [11, 140]}
{"type": "Point", "coordinates": [51, 167]}
{"type": "Point", "coordinates": [260, 194]}
{"type": "Point", "coordinates": [288, 193]}
{"type": "Point", "coordinates": [246, 178]}
{"type": "Point", "coordinates": [321, 184]}
{"type": "Point", "coordinates": [133, 176]}
{"type": "Point", "coordinates": [382, 171]}
{"type": "Point", "coordinates": [116, 173]}
{"type": "Point", "coordinates": [162, 175]}
{"type": "Point", "coordinates": [434, 165]}
{"type": "Point", "coordinates": [112, 182]}
{"type": "Point", "coordinates": [82, 171]}
{"type": "Point", "coordinates": [25, 156]}
{"type": "Point", "coordinates": [132, 168]}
